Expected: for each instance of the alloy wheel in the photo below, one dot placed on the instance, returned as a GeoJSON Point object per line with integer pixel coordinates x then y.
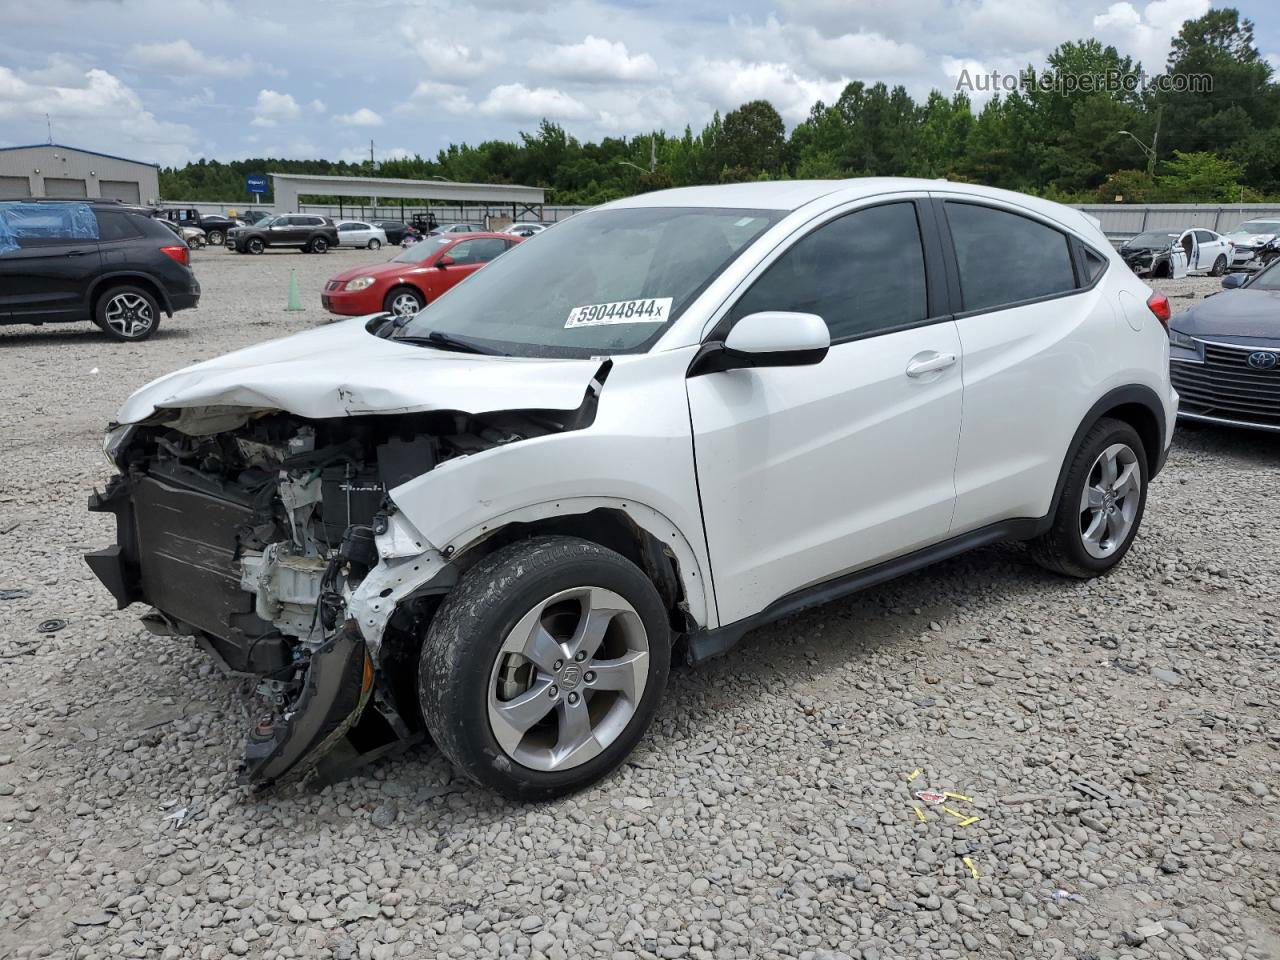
{"type": "Point", "coordinates": [129, 315]}
{"type": "Point", "coordinates": [568, 678]}
{"type": "Point", "coordinates": [405, 305]}
{"type": "Point", "coordinates": [1110, 499]}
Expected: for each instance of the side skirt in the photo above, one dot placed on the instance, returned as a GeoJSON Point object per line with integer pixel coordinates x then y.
{"type": "Point", "coordinates": [705, 644]}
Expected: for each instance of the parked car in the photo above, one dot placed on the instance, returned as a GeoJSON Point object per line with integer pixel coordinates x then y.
{"type": "Point", "coordinates": [525, 229]}
{"type": "Point", "coordinates": [669, 420]}
{"type": "Point", "coordinates": [1224, 354]}
{"type": "Point", "coordinates": [76, 261]}
{"type": "Point", "coordinates": [215, 226]}
{"type": "Point", "coordinates": [455, 228]}
{"type": "Point", "coordinates": [1249, 238]}
{"type": "Point", "coordinates": [191, 236]}
{"type": "Point", "coordinates": [423, 222]}
{"type": "Point", "coordinates": [408, 282]}
{"type": "Point", "coordinates": [1207, 251]}
{"type": "Point", "coordinates": [250, 217]}
{"type": "Point", "coordinates": [394, 229]}
{"type": "Point", "coordinates": [307, 232]}
{"type": "Point", "coordinates": [357, 233]}
{"type": "Point", "coordinates": [1156, 253]}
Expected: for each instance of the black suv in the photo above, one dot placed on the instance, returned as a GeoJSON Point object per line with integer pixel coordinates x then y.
{"type": "Point", "coordinates": [310, 233]}
{"type": "Point", "coordinates": [214, 225]}
{"type": "Point", "coordinates": [66, 261]}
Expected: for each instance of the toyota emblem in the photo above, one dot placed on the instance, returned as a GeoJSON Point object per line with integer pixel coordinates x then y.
{"type": "Point", "coordinates": [1263, 360]}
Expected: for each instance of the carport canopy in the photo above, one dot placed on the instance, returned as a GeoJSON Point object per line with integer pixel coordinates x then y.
{"type": "Point", "coordinates": [288, 187]}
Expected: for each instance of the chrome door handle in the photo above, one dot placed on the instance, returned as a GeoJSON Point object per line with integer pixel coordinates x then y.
{"type": "Point", "coordinates": [930, 362]}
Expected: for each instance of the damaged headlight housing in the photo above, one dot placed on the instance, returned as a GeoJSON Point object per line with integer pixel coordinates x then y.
{"type": "Point", "coordinates": [115, 440]}
{"type": "Point", "coordinates": [359, 283]}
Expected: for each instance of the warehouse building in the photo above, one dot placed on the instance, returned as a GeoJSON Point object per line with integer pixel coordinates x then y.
{"type": "Point", "coordinates": [52, 170]}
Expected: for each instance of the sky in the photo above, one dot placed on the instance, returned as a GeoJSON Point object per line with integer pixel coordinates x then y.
{"type": "Point", "coordinates": [169, 81]}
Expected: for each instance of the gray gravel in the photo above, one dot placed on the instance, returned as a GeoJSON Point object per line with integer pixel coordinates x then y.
{"type": "Point", "coordinates": [1117, 740]}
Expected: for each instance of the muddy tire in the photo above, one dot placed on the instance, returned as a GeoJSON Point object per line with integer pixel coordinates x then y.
{"type": "Point", "coordinates": [543, 668]}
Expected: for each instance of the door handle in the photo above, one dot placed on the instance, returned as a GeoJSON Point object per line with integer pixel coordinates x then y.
{"type": "Point", "coordinates": [76, 253]}
{"type": "Point", "coordinates": [930, 362]}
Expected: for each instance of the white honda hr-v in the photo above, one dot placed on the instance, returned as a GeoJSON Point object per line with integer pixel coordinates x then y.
{"type": "Point", "coordinates": [667, 421]}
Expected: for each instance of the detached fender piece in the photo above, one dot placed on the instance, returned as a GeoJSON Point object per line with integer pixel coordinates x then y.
{"type": "Point", "coordinates": [338, 683]}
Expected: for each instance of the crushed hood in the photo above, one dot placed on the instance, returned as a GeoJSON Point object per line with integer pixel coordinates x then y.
{"type": "Point", "coordinates": [343, 370]}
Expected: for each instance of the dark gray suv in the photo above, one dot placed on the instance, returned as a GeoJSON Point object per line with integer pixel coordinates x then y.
{"type": "Point", "coordinates": [66, 261]}
{"type": "Point", "coordinates": [307, 232]}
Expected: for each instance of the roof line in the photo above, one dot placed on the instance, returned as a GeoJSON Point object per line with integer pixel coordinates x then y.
{"type": "Point", "coordinates": [95, 153]}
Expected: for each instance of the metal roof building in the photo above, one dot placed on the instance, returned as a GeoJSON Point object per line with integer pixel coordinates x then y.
{"type": "Point", "coordinates": [288, 187]}
{"type": "Point", "coordinates": [55, 170]}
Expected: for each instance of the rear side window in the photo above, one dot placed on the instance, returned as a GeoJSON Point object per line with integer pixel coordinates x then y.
{"type": "Point", "coordinates": [1006, 258]}
{"type": "Point", "coordinates": [1094, 263]}
{"type": "Point", "coordinates": [116, 225]}
{"type": "Point", "coordinates": [863, 274]}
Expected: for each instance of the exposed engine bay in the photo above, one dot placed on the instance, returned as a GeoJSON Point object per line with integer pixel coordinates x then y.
{"type": "Point", "coordinates": [248, 531]}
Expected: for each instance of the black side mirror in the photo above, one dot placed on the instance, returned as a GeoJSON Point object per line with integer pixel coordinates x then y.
{"type": "Point", "coordinates": [444, 262]}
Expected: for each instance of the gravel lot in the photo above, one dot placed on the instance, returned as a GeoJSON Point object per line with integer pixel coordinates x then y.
{"type": "Point", "coordinates": [1117, 740]}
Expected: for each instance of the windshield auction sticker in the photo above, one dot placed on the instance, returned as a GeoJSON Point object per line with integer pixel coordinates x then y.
{"type": "Point", "coordinates": [653, 310]}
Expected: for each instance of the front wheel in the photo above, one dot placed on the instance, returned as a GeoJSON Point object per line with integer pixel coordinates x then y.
{"type": "Point", "coordinates": [543, 668]}
{"type": "Point", "coordinates": [403, 302]}
{"type": "Point", "coordinates": [1101, 506]}
{"type": "Point", "coordinates": [255, 245]}
{"type": "Point", "coordinates": [215, 237]}
{"type": "Point", "coordinates": [1219, 266]}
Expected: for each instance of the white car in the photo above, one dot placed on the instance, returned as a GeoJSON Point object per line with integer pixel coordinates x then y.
{"type": "Point", "coordinates": [525, 229]}
{"type": "Point", "coordinates": [357, 233]}
{"type": "Point", "coordinates": [1250, 237]}
{"type": "Point", "coordinates": [1170, 254]}
{"type": "Point", "coordinates": [675, 418]}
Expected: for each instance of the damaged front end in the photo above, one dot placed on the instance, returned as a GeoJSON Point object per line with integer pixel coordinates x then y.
{"type": "Point", "coordinates": [253, 532]}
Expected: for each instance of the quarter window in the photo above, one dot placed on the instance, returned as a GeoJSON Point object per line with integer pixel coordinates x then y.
{"type": "Point", "coordinates": [1094, 264]}
{"type": "Point", "coordinates": [1006, 258]}
{"type": "Point", "coordinates": [863, 274]}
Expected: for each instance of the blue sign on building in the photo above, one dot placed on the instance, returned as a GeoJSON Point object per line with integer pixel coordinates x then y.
{"type": "Point", "coordinates": [256, 185]}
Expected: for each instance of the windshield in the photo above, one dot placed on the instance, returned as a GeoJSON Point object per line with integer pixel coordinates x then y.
{"type": "Point", "coordinates": [1259, 226]}
{"type": "Point", "coordinates": [605, 281]}
{"type": "Point", "coordinates": [1151, 241]}
{"type": "Point", "coordinates": [416, 253]}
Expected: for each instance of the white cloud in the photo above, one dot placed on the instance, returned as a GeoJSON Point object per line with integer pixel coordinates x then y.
{"type": "Point", "coordinates": [318, 106]}
{"type": "Point", "coordinates": [595, 59]}
{"type": "Point", "coordinates": [432, 95]}
{"type": "Point", "coordinates": [99, 112]}
{"type": "Point", "coordinates": [515, 101]}
{"type": "Point", "coordinates": [364, 117]}
{"type": "Point", "coordinates": [273, 107]}
{"type": "Point", "coordinates": [864, 54]}
{"type": "Point", "coordinates": [1147, 34]}
{"type": "Point", "coordinates": [178, 58]}
{"type": "Point", "coordinates": [727, 84]}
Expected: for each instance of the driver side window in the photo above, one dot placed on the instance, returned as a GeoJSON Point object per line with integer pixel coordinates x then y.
{"type": "Point", "coordinates": [863, 274]}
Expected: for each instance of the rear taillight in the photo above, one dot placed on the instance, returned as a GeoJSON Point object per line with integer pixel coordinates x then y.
{"type": "Point", "coordinates": [1159, 305]}
{"type": "Point", "coordinates": [179, 253]}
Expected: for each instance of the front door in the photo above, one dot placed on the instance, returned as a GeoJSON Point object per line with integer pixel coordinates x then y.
{"type": "Point", "coordinates": [808, 473]}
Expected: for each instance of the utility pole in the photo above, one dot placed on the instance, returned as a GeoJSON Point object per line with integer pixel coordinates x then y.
{"type": "Point", "coordinates": [371, 151]}
{"type": "Point", "coordinates": [49, 127]}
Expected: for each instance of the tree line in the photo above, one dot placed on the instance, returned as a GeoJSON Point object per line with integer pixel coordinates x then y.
{"type": "Point", "coordinates": [1125, 137]}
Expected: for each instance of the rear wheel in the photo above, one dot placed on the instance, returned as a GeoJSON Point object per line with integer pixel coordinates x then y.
{"type": "Point", "coordinates": [127, 313]}
{"type": "Point", "coordinates": [317, 245]}
{"type": "Point", "coordinates": [403, 302]}
{"type": "Point", "coordinates": [1219, 266]}
{"type": "Point", "coordinates": [215, 237]}
{"type": "Point", "coordinates": [543, 668]}
{"type": "Point", "coordinates": [1101, 506]}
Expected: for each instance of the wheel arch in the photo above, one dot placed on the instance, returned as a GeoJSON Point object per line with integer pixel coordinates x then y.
{"type": "Point", "coordinates": [1136, 405]}
{"type": "Point", "coordinates": [104, 284]}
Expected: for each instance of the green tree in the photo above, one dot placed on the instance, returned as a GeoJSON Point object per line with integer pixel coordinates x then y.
{"type": "Point", "coordinates": [752, 139]}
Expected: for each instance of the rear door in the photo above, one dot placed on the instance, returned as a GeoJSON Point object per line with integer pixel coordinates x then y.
{"type": "Point", "coordinates": [1024, 300]}
{"type": "Point", "coordinates": [48, 257]}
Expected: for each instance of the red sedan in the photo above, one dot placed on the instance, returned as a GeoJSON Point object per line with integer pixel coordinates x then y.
{"type": "Point", "coordinates": [417, 276]}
